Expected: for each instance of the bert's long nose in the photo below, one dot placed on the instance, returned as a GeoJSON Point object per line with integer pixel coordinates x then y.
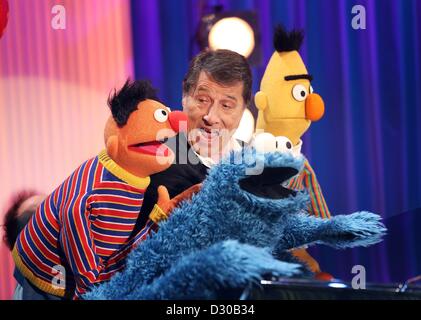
{"type": "Point", "coordinates": [315, 107]}
{"type": "Point", "coordinates": [178, 121]}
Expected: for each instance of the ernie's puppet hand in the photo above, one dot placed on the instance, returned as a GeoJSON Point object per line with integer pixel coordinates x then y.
{"type": "Point", "coordinates": [165, 205]}
{"type": "Point", "coordinates": [304, 257]}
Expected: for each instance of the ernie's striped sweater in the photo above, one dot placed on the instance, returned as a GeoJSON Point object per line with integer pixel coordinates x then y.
{"type": "Point", "coordinates": [83, 228]}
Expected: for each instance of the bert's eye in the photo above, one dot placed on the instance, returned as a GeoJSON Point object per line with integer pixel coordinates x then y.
{"type": "Point", "coordinates": [311, 89]}
{"type": "Point", "coordinates": [161, 115]}
{"type": "Point", "coordinates": [299, 92]}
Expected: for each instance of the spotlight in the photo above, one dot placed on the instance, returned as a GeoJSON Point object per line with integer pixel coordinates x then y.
{"type": "Point", "coordinates": [236, 31]}
{"type": "Point", "coordinates": [234, 34]}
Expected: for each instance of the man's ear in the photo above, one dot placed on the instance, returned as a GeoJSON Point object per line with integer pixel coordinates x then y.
{"type": "Point", "coordinates": [112, 146]}
{"type": "Point", "coordinates": [184, 101]}
{"type": "Point", "coordinates": [261, 101]}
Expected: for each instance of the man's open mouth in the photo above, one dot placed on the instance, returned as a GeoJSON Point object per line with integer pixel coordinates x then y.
{"type": "Point", "coordinates": [209, 134]}
{"type": "Point", "coordinates": [153, 148]}
{"type": "Point", "coordinates": [268, 184]}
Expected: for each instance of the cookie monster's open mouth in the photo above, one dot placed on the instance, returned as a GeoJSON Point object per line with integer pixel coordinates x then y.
{"type": "Point", "coordinates": [268, 183]}
{"type": "Point", "coordinates": [154, 148]}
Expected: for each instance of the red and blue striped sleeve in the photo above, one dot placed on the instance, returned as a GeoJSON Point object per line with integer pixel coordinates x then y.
{"type": "Point", "coordinates": [318, 204]}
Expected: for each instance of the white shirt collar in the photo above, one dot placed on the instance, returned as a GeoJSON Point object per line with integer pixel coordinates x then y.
{"type": "Point", "coordinates": [209, 162]}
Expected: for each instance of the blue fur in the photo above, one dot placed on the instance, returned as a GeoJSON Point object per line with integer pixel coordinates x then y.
{"type": "Point", "coordinates": [223, 238]}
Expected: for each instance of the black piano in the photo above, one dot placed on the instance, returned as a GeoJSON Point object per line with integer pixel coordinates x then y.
{"type": "Point", "coordinates": [299, 289]}
{"type": "Point", "coordinates": [392, 269]}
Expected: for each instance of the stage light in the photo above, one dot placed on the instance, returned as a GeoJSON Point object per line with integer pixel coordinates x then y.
{"type": "Point", "coordinates": [233, 34]}
{"type": "Point", "coordinates": [337, 285]}
{"type": "Point", "coordinates": [237, 31]}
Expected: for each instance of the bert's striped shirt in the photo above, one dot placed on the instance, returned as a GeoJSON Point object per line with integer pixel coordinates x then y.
{"type": "Point", "coordinates": [83, 228]}
{"type": "Point", "coordinates": [306, 179]}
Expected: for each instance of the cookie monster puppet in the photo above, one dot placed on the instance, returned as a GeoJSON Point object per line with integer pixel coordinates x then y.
{"type": "Point", "coordinates": [82, 233]}
{"type": "Point", "coordinates": [224, 237]}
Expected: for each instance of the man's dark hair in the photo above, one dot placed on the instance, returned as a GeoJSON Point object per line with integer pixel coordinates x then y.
{"type": "Point", "coordinates": [224, 66]}
{"type": "Point", "coordinates": [123, 102]}
{"type": "Point", "coordinates": [14, 223]}
{"type": "Point", "coordinates": [287, 41]}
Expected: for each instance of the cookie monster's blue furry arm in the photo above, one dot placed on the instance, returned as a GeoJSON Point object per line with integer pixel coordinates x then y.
{"type": "Point", "coordinates": [341, 231]}
{"type": "Point", "coordinates": [202, 274]}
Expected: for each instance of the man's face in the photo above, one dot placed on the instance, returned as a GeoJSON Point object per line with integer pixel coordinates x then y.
{"type": "Point", "coordinates": [214, 112]}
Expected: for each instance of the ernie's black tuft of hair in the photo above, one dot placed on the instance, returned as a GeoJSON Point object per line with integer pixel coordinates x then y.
{"type": "Point", "coordinates": [125, 101]}
{"type": "Point", "coordinates": [287, 41]}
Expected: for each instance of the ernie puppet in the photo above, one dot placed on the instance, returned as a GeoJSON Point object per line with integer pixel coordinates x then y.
{"type": "Point", "coordinates": [83, 230]}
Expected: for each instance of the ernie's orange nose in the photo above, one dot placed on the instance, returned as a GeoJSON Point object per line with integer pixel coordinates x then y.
{"type": "Point", "coordinates": [315, 107]}
{"type": "Point", "coordinates": [178, 121]}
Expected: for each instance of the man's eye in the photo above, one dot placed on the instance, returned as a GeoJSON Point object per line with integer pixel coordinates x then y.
{"type": "Point", "coordinates": [227, 106]}
{"type": "Point", "coordinates": [203, 100]}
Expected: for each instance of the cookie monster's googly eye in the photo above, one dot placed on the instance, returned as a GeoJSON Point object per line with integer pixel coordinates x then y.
{"type": "Point", "coordinates": [283, 144]}
{"type": "Point", "coordinates": [311, 89]}
{"type": "Point", "coordinates": [299, 92]}
{"type": "Point", "coordinates": [161, 115]}
{"type": "Point", "coordinates": [264, 142]}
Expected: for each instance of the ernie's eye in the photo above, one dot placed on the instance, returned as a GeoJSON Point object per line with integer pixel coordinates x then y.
{"type": "Point", "coordinates": [299, 92]}
{"type": "Point", "coordinates": [161, 115]}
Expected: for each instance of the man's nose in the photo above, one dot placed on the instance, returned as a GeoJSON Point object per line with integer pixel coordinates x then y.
{"type": "Point", "coordinates": [212, 117]}
{"type": "Point", "coordinates": [178, 121]}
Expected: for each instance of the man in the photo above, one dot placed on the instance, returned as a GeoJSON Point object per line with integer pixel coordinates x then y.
{"type": "Point", "coordinates": [216, 90]}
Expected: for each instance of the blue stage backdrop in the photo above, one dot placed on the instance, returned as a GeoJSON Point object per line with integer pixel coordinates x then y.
{"type": "Point", "coordinates": [367, 149]}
